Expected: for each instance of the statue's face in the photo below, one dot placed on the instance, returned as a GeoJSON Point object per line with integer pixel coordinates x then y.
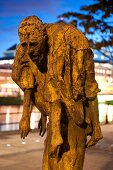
{"type": "Point", "coordinates": [32, 44]}
{"type": "Point", "coordinates": [31, 47]}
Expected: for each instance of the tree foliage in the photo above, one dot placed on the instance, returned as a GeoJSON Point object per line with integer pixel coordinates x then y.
{"type": "Point", "coordinates": [96, 21]}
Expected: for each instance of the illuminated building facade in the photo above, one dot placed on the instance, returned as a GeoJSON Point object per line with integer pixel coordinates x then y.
{"type": "Point", "coordinates": [103, 73]}
{"type": "Point", "coordinates": [12, 114]}
{"type": "Point", "coordinates": [11, 96]}
{"type": "Point", "coordinates": [7, 86]}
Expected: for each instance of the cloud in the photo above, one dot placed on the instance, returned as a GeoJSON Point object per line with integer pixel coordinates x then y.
{"type": "Point", "coordinates": [15, 7]}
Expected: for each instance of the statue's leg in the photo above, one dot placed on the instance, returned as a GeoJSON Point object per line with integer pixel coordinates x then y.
{"type": "Point", "coordinates": [45, 164]}
{"type": "Point", "coordinates": [42, 105]}
{"type": "Point", "coordinates": [71, 152]}
{"type": "Point", "coordinates": [49, 163]}
{"type": "Point", "coordinates": [55, 118]}
{"type": "Point", "coordinates": [73, 159]}
{"type": "Point", "coordinates": [80, 144]}
{"type": "Point", "coordinates": [53, 110]}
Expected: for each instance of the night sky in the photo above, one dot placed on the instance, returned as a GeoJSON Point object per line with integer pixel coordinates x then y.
{"type": "Point", "coordinates": [13, 11]}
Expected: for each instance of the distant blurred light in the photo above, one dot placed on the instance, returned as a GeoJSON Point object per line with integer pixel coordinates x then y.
{"type": "Point", "coordinates": [23, 143]}
{"type": "Point", "coordinates": [8, 115]}
{"type": "Point", "coordinates": [95, 56]}
{"type": "Point", "coordinates": [8, 145]}
{"type": "Point", "coordinates": [110, 113]}
{"type": "Point", "coordinates": [110, 117]}
{"type": "Point", "coordinates": [111, 145]}
{"type": "Point", "coordinates": [8, 85]}
{"type": "Point", "coordinates": [6, 61]}
{"type": "Point", "coordinates": [61, 18]}
{"type": "Point", "coordinates": [37, 140]}
{"type": "Point", "coordinates": [102, 57]}
{"type": "Point", "coordinates": [33, 120]}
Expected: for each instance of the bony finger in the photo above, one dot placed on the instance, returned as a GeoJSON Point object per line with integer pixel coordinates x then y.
{"type": "Point", "coordinates": [23, 61]}
{"type": "Point", "coordinates": [43, 132]}
{"type": "Point", "coordinates": [40, 131]}
{"type": "Point", "coordinates": [27, 133]}
{"type": "Point", "coordinates": [24, 135]}
{"type": "Point", "coordinates": [39, 124]}
{"type": "Point", "coordinates": [24, 65]}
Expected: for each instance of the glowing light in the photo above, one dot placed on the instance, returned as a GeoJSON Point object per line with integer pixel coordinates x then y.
{"type": "Point", "coordinates": [61, 18]}
{"type": "Point", "coordinates": [23, 143]}
{"type": "Point", "coordinates": [37, 140]}
{"type": "Point", "coordinates": [8, 145]}
{"type": "Point", "coordinates": [6, 61]}
{"type": "Point", "coordinates": [110, 113]}
{"type": "Point", "coordinates": [33, 120]}
{"type": "Point", "coordinates": [9, 85]}
{"type": "Point", "coordinates": [7, 116]}
{"type": "Point", "coordinates": [110, 117]}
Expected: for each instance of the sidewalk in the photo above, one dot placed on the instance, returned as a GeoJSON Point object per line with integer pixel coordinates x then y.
{"type": "Point", "coordinates": [100, 157]}
{"type": "Point", "coordinates": [18, 154]}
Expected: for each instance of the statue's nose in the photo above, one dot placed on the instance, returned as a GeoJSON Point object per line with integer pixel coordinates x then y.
{"type": "Point", "coordinates": [28, 48]}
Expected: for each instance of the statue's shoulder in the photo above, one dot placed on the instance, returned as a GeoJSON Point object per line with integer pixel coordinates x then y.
{"type": "Point", "coordinates": [56, 28]}
{"type": "Point", "coordinates": [73, 36]}
{"type": "Point", "coordinates": [55, 33]}
{"type": "Point", "coordinates": [77, 39]}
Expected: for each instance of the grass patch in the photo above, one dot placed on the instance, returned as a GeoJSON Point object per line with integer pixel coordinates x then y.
{"type": "Point", "coordinates": [10, 101]}
{"type": "Point", "coordinates": [109, 102]}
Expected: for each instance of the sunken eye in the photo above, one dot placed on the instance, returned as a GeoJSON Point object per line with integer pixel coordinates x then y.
{"type": "Point", "coordinates": [24, 45]}
{"type": "Point", "coordinates": [33, 44]}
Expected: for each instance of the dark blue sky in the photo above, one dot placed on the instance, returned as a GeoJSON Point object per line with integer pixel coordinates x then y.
{"type": "Point", "coordinates": [13, 11]}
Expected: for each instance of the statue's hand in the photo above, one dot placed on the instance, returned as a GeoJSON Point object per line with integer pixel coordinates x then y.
{"type": "Point", "coordinates": [42, 125]}
{"type": "Point", "coordinates": [24, 126]}
{"type": "Point", "coordinates": [22, 64]}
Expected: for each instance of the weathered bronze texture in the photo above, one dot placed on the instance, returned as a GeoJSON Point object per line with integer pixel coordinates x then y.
{"type": "Point", "coordinates": [54, 67]}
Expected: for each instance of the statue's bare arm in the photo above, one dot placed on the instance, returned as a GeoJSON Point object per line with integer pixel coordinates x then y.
{"type": "Point", "coordinates": [24, 125]}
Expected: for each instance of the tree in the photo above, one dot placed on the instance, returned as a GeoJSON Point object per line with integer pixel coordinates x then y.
{"type": "Point", "coordinates": [96, 21]}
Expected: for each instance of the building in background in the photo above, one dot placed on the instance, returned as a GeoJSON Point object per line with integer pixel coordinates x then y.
{"type": "Point", "coordinates": [103, 73]}
{"type": "Point", "coordinates": [11, 96]}
{"type": "Point", "coordinates": [11, 114]}
{"type": "Point", "coordinates": [10, 52]}
{"type": "Point", "coordinates": [7, 86]}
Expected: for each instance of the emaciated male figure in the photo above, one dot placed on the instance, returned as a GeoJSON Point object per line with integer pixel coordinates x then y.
{"type": "Point", "coordinates": [55, 69]}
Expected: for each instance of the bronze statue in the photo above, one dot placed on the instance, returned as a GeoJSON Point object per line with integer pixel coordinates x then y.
{"type": "Point", "coordinates": [55, 69]}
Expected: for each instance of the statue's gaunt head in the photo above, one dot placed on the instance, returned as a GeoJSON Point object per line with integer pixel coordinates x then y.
{"type": "Point", "coordinates": [32, 35]}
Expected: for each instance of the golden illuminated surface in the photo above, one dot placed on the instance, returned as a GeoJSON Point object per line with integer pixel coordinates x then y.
{"type": "Point", "coordinates": [55, 69]}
